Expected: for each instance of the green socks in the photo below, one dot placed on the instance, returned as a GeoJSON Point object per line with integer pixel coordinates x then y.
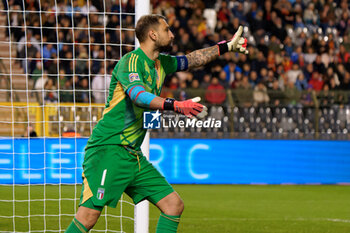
{"type": "Point", "coordinates": [76, 227]}
{"type": "Point", "coordinates": [167, 223]}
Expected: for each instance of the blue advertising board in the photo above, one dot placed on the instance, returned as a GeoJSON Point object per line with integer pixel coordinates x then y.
{"type": "Point", "coordinates": [187, 161]}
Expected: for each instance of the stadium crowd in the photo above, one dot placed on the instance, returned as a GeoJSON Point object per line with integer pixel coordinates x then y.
{"type": "Point", "coordinates": [294, 45]}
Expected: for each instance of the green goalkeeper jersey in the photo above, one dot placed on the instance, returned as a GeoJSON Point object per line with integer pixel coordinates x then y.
{"type": "Point", "coordinates": [122, 120]}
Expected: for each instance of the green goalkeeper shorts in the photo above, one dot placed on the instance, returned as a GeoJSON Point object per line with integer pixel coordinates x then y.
{"type": "Point", "coordinates": [110, 170]}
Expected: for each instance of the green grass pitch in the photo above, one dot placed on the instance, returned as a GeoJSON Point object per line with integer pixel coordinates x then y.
{"type": "Point", "coordinates": [208, 208]}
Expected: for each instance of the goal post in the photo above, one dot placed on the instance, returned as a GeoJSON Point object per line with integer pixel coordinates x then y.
{"type": "Point", "coordinates": [141, 212]}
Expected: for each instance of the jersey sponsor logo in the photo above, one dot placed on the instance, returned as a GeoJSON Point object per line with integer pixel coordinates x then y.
{"type": "Point", "coordinates": [133, 77]}
{"type": "Point", "coordinates": [151, 120]}
{"type": "Point", "coordinates": [100, 193]}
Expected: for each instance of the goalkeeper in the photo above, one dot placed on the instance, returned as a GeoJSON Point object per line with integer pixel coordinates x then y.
{"type": "Point", "coordinates": [113, 161]}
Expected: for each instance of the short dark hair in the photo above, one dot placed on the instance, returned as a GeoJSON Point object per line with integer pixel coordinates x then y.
{"type": "Point", "coordinates": [144, 23]}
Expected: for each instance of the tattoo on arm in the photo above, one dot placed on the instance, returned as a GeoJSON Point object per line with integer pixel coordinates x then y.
{"type": "Point", "coordinates": [202, 56]}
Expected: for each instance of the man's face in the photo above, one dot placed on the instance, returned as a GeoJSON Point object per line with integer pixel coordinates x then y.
{"type": "Point", "coordinates": [165, 38]}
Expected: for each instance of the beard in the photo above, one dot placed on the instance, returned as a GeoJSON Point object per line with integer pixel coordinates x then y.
{"type": "Point", "coordinates": [166, 48]}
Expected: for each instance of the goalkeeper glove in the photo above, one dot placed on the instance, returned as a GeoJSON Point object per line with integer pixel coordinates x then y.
{"type": "Point", "coordinates": [236, 44]}
{"type": "Point", "coordinates": [190, 108]}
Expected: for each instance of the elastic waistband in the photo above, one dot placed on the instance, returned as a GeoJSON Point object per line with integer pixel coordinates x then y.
{"type": "Point", "coordinates": [135, 153]}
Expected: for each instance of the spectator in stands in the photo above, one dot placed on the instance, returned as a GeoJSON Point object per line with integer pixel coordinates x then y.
{"type": "Point", "coordinates": [308, 70]}
{"type": "Point", "coordinates": [253, 78]}
{"type": "Point", "coordinates": [47, 53]}
{"type": "Point", "coordinates": [330, 75]}
{"type": "Point", "coordinates": [238, 80]}
{"type": "Point", "coordinates": [306, 98]}
{"type": "Point", "coordinates": [327, 16]}
{"type": "Point", "coordinates": [215, 93]}
{"type": "Point", "coordinates": [293, 73]}
{"type": "Point", "coordinates": [174, 83]}
{"type": "Point", "coordinates": [332, 84]}
{"type": "Point", "coordinates": [259, 63]}
{"type": "Point", "coordinates": [82, 93]}
{"type": "Point", "coordinates": [224, 15]}
{"type": "Point", "coordinates": [37, 73]}
{"type": "Point", "coordinates": [288, 46]}
{"type": "Point", "coordinates": [301, 83]}
{"type": "Point", "coordinates": [61, 79]}
{"type": "Point", "coordinates": [29, 53]}
{"type": "Point", "coordinates": [21, 47]}
{"type": "Point", "coordinates": [297, 56]}
{"type": "Point", "coordinates": [82, 64]}
{"type": "Point", "coordinates": [205, 82]}
{"type": "Point", "coordinates": [310, 15]}
{"type": "Point", "coordinates": [343, 55]}
{"type": "Point", "coordinates": [326, 98]}
{"type": "Point", "coordinates": [287, 63]}
{"type": "Point", "coordinates": [299, 21]}
{"type": "Point", "coordinates": [292, 94]}
{"type": "Point", "coordinates": [100, 86]}
{"type": "Point", "coordinates": [30, 132]}
{"type": "Point", "coordinates": [181, 92]}
{"type": "Point", "coordinates": [276, 86]}
{"type": "Point", "coordinates": [66, 93]}
{"type": "Point", "coordinates": [222, 79]}
{"type": "Point", "coordinates": [52, 67]}
{"type": "Point", "coordinates": [245, 84]}
{"type": "Point", "coordinates": [41, 82]}
{"type": "Point", "coordinates": [327, 57]}
{"type": "Point", "coordinates": [50, 92]}
{"type": "Point", "coordinates": [316, 81]}
{"type": "Point", "coordinates": [310, 55]}
{"type": "Point", "coordinates": [246, 69]}
{"type": "Point", "coordinates": [270, 79]}
{"type": "Point", "coordinates": [231, 68]}
{"type": "Point", "coordinates": [345, 85]}
{"type": "Point", "coordinates": [278, 30]}
{"type": "Point", "coordinates": [260, 95]}
{"type": "Point", "coordinates": [70, 133]}
{"type": "Point", "coordinates": [15, 21]}
{"type": "Point", "coordinates": [318, 65]}
{"type": "Point", "coordinates": [97, 62]}
{"type": "Point", "coordinates": [88, 8]}
{"type": "Point", "coordinates": [111, 27]}
{"type": "Point", "coordinates": [262, 76]}
{"type": "Point", "coordinates": [343, 23]}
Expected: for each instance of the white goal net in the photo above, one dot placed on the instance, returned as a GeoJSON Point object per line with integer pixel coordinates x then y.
{"type": "Point", "coordinates": [56, 58]}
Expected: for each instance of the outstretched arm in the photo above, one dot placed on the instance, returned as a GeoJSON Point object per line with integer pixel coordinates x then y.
{"type": "Point", "coordinates": [203, 56]}
{"type": "Point", "coordinates": [190, 108]}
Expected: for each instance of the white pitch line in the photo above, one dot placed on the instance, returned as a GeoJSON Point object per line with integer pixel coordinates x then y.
{"type": "Point", "coordinates": [338, 220]}
{"type": "Point", "coordinates": [265, 219]}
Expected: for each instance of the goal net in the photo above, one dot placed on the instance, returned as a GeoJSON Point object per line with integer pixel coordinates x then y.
{"type": "Point", "coordinates": [56, 59]}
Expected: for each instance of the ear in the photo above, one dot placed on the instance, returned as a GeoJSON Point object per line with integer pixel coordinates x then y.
{"type": "Point", "coordinates": [153, 35]}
